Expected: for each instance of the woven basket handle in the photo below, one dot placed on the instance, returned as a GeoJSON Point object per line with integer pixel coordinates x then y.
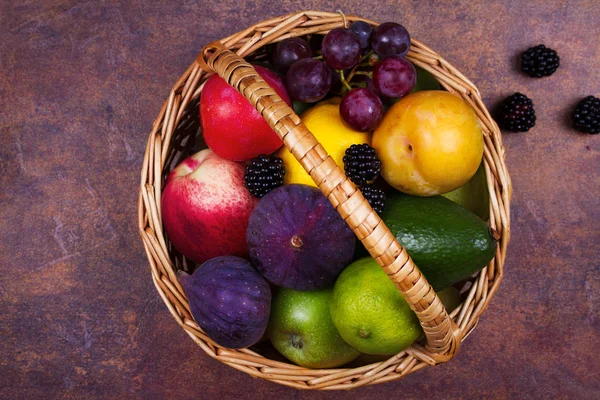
{"type": "Point", "coordinates": [443, 336]}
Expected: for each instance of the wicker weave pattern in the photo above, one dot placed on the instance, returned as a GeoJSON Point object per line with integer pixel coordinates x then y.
{"type": "Point", "coordinates": [443, 333]}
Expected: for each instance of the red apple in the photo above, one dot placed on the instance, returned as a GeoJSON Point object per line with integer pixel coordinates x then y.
{"type": "Point", "coordinates": [232, 128]}
{"type": "Point", "coordinates": [205, 207]}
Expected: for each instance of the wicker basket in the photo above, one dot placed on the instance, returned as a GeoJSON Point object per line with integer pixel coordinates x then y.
{"type": "Point", "coordinates": [176, 134]}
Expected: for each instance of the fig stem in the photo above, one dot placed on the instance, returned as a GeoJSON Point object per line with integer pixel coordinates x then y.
{"type": "Point", "coordinates": [297, 241]}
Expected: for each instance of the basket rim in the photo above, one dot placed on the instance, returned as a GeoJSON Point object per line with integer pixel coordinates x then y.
{"type": "Point", "coordinates": [189, 87]}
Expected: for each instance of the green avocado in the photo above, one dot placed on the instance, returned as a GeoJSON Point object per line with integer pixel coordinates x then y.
{"type": "Point", "coordinates": [447, 242]}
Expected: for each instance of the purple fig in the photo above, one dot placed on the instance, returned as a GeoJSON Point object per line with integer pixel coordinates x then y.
{"type": "Point", "coordinates": [229, 300]}
{"type": "Point", "coordinates": [297, 240]}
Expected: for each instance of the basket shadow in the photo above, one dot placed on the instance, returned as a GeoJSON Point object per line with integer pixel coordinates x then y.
{"type": "Point", "coordinates": [187, 140]}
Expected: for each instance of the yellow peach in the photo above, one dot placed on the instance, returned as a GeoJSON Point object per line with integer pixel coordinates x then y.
{"type": "Point", "coordinates": [429, 143]}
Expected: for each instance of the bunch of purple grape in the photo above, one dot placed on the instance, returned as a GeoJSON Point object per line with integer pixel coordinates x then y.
{"type": "Point", "coordinates": [365, 65]}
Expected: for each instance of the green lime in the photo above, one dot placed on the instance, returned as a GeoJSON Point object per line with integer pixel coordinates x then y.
{"type": "Point", "coordinates": [370, 313]}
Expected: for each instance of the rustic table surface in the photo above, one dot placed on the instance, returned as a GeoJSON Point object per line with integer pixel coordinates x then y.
{"type": "Point", "coordinates": [80, 85]}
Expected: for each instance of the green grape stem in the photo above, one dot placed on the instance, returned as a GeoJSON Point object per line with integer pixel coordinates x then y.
{"type": "Point", "coordinates": [366, 56]}
{"type": "Point", "coordinates": [363, 62]}
{"type": "Point", "coordinates": [355, 72]}
{"type": "Point", "coordinates": [344, 81]}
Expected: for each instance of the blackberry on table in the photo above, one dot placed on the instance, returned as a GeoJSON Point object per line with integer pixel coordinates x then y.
{"type": "Point", "coordinates": [539, 61]}
{"type": "Point", "coordinates": [586, 116]}
{"type": "Point", "coordinates": [375, 197]}
{"type": "Point", "coordinates": [361, 164]}
{"type": "Point", "coordinates": [263, 174]}
{"type": "Point", "coordinates": [516, 113]}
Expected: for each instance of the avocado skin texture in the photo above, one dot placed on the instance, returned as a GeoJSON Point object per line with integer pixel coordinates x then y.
{"type": "Point", "coordinates": [447, 242]}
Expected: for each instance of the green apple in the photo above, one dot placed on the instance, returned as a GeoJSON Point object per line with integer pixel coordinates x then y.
{"type": "Point", "coordinates": [301, 329]}
{"type": "Point", "coordinates": [473, 195]}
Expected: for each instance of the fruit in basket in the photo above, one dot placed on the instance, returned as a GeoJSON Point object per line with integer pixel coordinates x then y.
{"type": "Point", "coordinates": [289, 51]}
{"type": "Point", "coordinates": [429, 142]}
{"type": "Point", "coordinates": [390, 39]}
{"type": "Point", "coordinates": [473, 195]}
{"type": "Point", "coordinates": [375, 196]}
{"type": "Point", "coordinates": [341, 48]}
{"type": "Point", "coordinates": [205, 207]}
{"type": "Point", "coordinates": [394, 77]}
{"type": "Point", "coordinates": [308, 80]}
{"type": "Point", "coordinates": [324, 121]}
{"type": "Point", "coordinates": [297, 240]}
{"type": "Point", "coordinates": [301, 329]}
{"type": "Point", "coordinates": [369, 312]}
{"type": "Point", "coordinates": [263, 174]}
{"type": "Point", "coordinates": [231, 126]}
{"type": "Point", "coordinates": [361, 164]}
{"type": "Point", "coordinates": [363, 31]}
{"type": "Point", "coordinates": [361, 109]}
{"type": "Point", "coordinates": [447, 242]}
{"type": "Point", "coordinates": [229, 300]}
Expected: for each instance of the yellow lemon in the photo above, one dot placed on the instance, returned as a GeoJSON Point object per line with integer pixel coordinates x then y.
{"type": "Point", "coordinates": [324, 121]}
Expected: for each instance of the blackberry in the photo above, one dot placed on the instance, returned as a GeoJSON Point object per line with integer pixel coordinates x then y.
{"type": "Point", "coordinates": [375, 197]}
{"type": "Point", "coordinates": [263, 174]}
{"type": "Point", "coordinates": [539, 61]}
{"type": "Point", "coordinates": [361, 164]}
{"type": "Point", "coordinates": [516, 113]}
{"type": "Point", "coordinates": [586, 116]}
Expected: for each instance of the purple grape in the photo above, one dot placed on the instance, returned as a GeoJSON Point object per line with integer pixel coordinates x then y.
{"type": "Point", "coordinates": [363, 31]}
{"type": "Point", "coordinates": [341, 48]}
{"type": "Point", "coordinates": [361, 109]}
{"type": "Point", "coordinates": [394, 77]}
{"type": "Point", "coordinates": [289, 51]}
{"type": "Point", "coordinates": [308, 80]}
{"type": "Point", "coordinates": [390, 39]}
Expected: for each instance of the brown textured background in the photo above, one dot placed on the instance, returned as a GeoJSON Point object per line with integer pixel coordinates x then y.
{"type": "Point", "coordinates": [80, 85]}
